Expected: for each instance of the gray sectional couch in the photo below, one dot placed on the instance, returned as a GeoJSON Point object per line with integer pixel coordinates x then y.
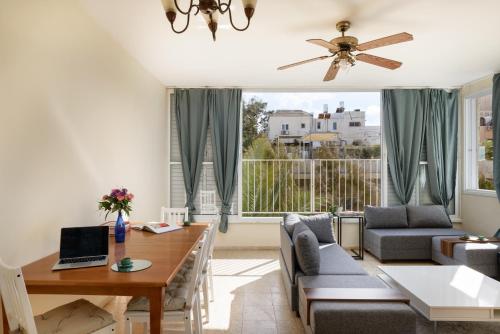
{"type": "Point", "coordinates": [405, 232]}
{"type": "Point", "coordinates": [337, 269]}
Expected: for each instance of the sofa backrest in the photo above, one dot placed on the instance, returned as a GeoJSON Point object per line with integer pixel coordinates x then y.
{"type": "Point", "coordinates": [288, 253]}
{"type": "Point", "coordinates": [409, 216]}
{"type": "Point", "coordinates": [386, 217]}
{"type": "Point", "coordinates": [428, 216]}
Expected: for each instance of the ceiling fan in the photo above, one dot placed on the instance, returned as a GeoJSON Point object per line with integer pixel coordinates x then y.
{"type": "Point", "coordinates": [342, 49]}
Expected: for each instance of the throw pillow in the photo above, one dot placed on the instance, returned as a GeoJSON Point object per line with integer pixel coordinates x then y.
{"type": "Point", "coordinates": [289, 221]}
{"type": "Point", "coordinates": [306, 249]}
{"type": "Point", "coordinates": [389, 217]}
{"type": "Point", "coordinates": [321, 225]}
{"type": "Point", "coordinates": [428, 216]}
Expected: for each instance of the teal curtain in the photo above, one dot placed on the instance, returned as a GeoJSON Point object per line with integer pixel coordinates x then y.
{"type": "Point", "coordinates": [496, 132]}
{"type": "Point", "coordinates": [192, 126]}
{"type": "Point", "coordinates": [441, 143]}
{"type": "Point", "coordinates": [404, 123]}
{"type": "Point", "coordinates": [225, 128]}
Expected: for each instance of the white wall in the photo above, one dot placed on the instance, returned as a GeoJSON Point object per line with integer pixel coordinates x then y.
{"type": "Point", "coordinates": [480, 214]}
{"type": "Point", "coordinates": [267, 235]}
{"type": "Point", "coordinates": [78, 116]}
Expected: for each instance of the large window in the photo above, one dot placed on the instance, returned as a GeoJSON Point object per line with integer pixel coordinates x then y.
{"type": "Point", "coordinates": [334, 161]}
{"type": "Point", "coordinates": [479, 143]}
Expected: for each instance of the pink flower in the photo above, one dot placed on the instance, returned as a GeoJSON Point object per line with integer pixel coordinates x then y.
{"type": "Point", "coordinates": [130, 196]}
{"type": "Point", "coordinates": [114, 192]}
{"type": "Point", "coordinates": [105, 197]}
{"type": "Point", "coordinates": [120, 197]}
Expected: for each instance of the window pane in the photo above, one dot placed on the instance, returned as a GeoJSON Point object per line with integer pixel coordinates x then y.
{"type": "Point", "coordinates": [424, 190]}
{"type": "Point", "coordinates": [484, 147]}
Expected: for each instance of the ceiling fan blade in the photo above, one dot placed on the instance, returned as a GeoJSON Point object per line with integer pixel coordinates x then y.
{"type": "Point", "coordinates": [324, 44]}
{"type": "Point", "coordinates": [302, 62]}
{"type": "Point", "coordinates": [378, 61]}
{"type": "Point", "coordinates": [384, 41]}
{"type": "Point", "coordinates": [332, 72]}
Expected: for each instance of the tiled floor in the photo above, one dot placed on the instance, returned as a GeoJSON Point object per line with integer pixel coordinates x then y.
{"type": "Point", "coordinates": [250, 298]}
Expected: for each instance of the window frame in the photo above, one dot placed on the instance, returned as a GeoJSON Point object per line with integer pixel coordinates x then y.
{"type": "Point", "coordinates": [470, 154]}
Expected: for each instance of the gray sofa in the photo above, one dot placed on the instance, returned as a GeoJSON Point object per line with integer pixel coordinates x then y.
{"type": "Point", "coordinates": [338, 269]}
{"type": "Point", "coordinates": [480, 257]}
{"type": "Point", "coordinates": [405, 232]}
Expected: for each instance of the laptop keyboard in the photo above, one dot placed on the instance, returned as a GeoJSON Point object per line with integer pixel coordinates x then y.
{"type": "Point", "coordinates": [83, 259]}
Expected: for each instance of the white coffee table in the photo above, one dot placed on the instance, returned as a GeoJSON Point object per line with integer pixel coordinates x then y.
{"type": "Point", "coordinates": [447, 293]}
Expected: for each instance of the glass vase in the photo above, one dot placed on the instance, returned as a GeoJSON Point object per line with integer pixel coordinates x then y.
{"type": "Point", "coordinates": [119, 229]}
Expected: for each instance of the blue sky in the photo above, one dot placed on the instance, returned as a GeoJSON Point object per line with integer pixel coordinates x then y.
{"type": "Point", "coordinates": [313, 102]}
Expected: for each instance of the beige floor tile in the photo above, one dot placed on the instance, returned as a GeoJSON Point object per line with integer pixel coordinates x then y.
{"type": "Point", "coordinates": [259, 327]}
{"type": "Point", "coordinates": [284, 313]}
{"type": "Point", "coordinates": [290, 327]}
{"type": "Point", "coordinates": [260, 313]}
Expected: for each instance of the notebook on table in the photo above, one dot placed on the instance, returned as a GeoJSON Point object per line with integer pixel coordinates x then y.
{"type": "Point", "coordinates": [83, 247]}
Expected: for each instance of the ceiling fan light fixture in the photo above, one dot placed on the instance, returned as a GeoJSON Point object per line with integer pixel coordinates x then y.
{"type": "Point", "coordinates": [344, 65]}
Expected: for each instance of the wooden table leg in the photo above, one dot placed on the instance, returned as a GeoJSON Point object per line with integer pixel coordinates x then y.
{"type": "Point", "coordinates": [156, 299]}
{"type": "Point", "coordinates": [5, 322]}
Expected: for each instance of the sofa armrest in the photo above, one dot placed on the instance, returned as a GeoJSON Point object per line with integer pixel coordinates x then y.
{"type": "Point", "coordinates": [288, 253]}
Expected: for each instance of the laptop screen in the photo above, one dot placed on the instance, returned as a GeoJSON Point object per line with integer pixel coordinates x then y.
{"type": "Point", "coordinates": [84, 241]}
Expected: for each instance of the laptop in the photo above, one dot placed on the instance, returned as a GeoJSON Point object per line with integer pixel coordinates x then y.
{"type": "Point", "coordinates": [83, 247]}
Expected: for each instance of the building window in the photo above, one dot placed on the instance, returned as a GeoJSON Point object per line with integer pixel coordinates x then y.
{"type": "Point", "coordinates": [284, 127]}
{"type": "Point", "coordinates": [318, 125]}
{"type": "Point", "coordinates": [334, 126]}
{"type": "Point", "coordinates": [354, 123]}
{"type": "Point", "coordinates": [302, 125]}
{"type": "Point", "coordinates": [479, 143]}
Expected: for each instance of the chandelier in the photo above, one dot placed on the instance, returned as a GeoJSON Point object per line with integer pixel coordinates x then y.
{"type": "Point", "coordinates": [210, 9]}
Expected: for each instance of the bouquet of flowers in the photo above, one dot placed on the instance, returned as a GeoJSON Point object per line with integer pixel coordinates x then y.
{"type": "Point", "coordinates": [117, 200]}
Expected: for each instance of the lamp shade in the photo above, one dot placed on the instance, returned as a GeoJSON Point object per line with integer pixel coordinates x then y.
{"type": "Point", "coordinates": [169, 5]}
{"type": "Point", "coordinates": [249, 3]}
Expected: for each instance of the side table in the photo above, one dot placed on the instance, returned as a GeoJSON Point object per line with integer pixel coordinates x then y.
{"type": "Point", "coordinates": [359, 216]}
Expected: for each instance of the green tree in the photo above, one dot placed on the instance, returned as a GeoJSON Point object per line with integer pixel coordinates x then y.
{"type": "Point", "coordinates": [255, 120]}
{"type": "Point", "coordinates": [488, 147]}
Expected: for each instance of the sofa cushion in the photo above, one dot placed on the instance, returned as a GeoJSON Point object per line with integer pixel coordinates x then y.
{"type": "Point", "coordinates": [478, 256]}
{"type": "Point", "coordinates": [335, 261]}
{"type": "Point", "coordinates": [385, 217]}
{"type": "Point", "coordinates": [404, 243]}
{"type": "Point", "coordinates": [306, 249]}
{"type": "Point", "coordinates": [321, 225]}
{"type": "Point", "coordinates": [362, 318]}
{"type": "Point", "coordinates": [428, 216]}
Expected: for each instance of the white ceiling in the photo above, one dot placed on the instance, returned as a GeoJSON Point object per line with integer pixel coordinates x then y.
{"type": "Point", "coordinates": [456, 41]}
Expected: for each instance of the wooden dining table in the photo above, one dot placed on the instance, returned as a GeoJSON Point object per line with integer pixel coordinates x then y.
{"type": "Point", "coordinates": [166, 251]}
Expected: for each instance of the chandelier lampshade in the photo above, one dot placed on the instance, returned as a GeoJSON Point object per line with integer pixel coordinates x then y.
{"type": "Point", "coordinates": [209, 9]}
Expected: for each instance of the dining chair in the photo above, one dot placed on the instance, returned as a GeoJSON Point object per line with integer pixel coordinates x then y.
{"type": "Point", "coordinates": [174, 215]}
{"type": "Point", "coordinates": [182, 297]}
{"type": "Point", "coordinates": [76, 317]}
{"type": "Point", "coordinates": [206, 274]}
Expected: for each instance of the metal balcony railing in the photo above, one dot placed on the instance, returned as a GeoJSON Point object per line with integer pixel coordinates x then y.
{"type": "Point", "coordinates": [272, 187]}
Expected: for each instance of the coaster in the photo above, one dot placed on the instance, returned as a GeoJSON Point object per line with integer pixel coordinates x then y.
{"type": "Point", "coordinates": [135, 265]}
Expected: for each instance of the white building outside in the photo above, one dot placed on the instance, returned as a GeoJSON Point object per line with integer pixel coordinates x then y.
{"type": "Point", "coordinates": [346, 127]}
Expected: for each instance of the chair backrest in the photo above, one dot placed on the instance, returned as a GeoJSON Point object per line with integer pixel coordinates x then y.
{"type": "Point", "coordinates": [174, 215]}
{"type": "Point", "coordinates": [15, 300]}
{"type": "Point", "coordinates": [200, 253]}
{"type": "Point", "coordinates": [215, 225]}
{"type": "Point", "coordinates": [207, 202]}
